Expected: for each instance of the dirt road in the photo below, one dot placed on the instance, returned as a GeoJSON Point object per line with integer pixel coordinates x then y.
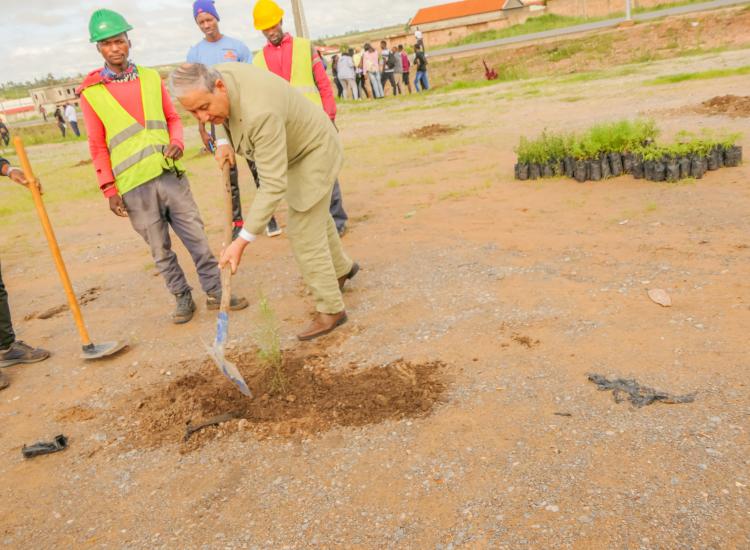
{"type": "Point", "coordinates": [488, 300]}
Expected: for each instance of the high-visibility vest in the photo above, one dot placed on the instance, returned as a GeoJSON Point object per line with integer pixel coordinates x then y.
{"type": "Point", "coordinates": [302, 74]}
{"type": "Point", "coordinates": [136, 151]}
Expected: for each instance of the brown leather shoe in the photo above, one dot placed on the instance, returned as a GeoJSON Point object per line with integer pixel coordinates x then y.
{"type": "Point", "coordinates": [323, 324]}
{"type": "Point", "coordinates": [4, 382]}
{"type": "Point", "coordinates": [352, 272]}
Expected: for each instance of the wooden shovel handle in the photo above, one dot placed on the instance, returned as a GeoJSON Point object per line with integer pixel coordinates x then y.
{"type": "Point", "coordinates": [226, 273]}
{"type": "Point", "coordinates": [51, 240]}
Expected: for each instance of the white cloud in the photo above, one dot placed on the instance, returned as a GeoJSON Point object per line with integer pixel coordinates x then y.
{"type": "Point", "coordinates": [51, 36]}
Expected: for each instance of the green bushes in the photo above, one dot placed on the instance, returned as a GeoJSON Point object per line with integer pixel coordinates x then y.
{"type": "Point", "coordinates": [625, 147]}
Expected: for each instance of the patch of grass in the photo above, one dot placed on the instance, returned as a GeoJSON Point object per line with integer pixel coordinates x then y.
{"type": "Point", "coordinates": [534, 24]}
{"type": "Point", "coordinates": [564, 51]}
{"type": "Point", "coordinates": [651, 207]}
{"type": "Point", "coordinates": [464, 193]}
{"type": "Point", "coordinates": [572, 99]}
{"type": "Point", "coordinates": [702, 75]}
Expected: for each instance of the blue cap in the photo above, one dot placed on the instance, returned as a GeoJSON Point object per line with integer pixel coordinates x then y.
{"type": "Point", "coordinates": [204, 6]}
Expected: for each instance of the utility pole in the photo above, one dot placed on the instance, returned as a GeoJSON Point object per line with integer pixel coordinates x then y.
{"type": "Point", "coordinates": [627, 10]}
{"type": "Point", "coordinates": [300, 24]}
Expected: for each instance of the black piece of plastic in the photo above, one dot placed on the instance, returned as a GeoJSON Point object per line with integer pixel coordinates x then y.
{"type": "Point", "coordinates": [59, 443]}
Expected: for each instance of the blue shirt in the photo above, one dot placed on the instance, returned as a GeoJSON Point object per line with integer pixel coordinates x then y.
{"type": "Point", "coordinates": [225, 50]}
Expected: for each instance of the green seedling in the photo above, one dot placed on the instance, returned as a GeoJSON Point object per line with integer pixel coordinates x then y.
{"type": "Point", "coordinates": [269, 345]}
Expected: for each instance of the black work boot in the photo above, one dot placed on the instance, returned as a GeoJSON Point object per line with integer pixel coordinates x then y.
{"type": "Point", "coordinates": [273, 229]}
{"type": "Point", "coordinates": [213, 301]}
{"type": "Point", "coordinates": [183, 312]}
{"type": "Point", "coordinates": [20, 352]}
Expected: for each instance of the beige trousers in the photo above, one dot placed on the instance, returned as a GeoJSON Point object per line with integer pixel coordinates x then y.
{"type": "Point", "coordinates": [319, 254]}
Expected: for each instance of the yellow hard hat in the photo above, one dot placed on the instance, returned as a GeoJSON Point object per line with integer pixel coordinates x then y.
{"type": "Point", "coordinates": [267, 14]}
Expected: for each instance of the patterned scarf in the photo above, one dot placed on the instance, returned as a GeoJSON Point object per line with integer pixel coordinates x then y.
{"type": "Point", "coordinates": [131, 73]}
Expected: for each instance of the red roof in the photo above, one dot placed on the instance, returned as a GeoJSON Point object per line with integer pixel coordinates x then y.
{"type": "Point", "coordinates": [455, 10]}
{"type": "Point", "coordinates": [16, 110]}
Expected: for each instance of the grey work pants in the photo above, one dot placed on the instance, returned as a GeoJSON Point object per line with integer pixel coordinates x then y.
{"type": "Point", "coordinates": [153, 207]}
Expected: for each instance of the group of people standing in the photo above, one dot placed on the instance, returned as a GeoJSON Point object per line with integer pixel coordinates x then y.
{"type": "Point", "coordinates": [67, 114]}
{"type": "Point", "coordinates": [366, 72]}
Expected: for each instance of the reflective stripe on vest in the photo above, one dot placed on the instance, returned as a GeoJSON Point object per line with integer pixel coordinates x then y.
{"type": "Point", "coordinates": [301, 76]}
{"type": "Point", "coordinates": [136, 151]}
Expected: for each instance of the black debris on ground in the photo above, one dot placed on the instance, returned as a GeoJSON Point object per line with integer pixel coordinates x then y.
{"type": "Point", "coordinates": [637, 394]}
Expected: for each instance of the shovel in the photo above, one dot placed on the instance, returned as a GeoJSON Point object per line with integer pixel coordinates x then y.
{"type": "Point", "coordinates": [216, 352]}
{"type": "Point", "coordinates": [90, 350]}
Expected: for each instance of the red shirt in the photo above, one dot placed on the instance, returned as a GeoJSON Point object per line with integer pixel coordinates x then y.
{"type": "Point", "coordinates": [279, 61]}
{"type": "Point", "coordinates": [127, 94]}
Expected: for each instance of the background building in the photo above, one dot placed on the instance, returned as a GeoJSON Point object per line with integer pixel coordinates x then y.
{"type": "Point", "coordinates": [448, 22]}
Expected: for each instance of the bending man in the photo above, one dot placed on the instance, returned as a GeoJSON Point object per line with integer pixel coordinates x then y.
{"type": "Point", "coordinates": [298, 154]}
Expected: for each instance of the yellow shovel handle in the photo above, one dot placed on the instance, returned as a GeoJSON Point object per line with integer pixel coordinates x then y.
{"type": "Point", "coordinates": [51, 240]}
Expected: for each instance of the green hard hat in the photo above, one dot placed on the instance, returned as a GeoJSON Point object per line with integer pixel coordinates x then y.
{"type": "Point", "coordinates": [106, 24]}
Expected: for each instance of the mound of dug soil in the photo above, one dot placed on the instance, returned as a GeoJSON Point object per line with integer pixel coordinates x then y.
{"type": "Point", "coordinates": [432, 131]}
{"type": "Point", "coordinates": [732, 105]}
{"type": "Point", "coordinates": [313, 400]}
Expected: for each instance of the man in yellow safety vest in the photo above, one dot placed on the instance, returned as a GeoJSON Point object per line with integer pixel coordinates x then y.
{"type": "Point", "coordinates": [135, 139]}
{"type": "Point", "coordinates": [295, 60]}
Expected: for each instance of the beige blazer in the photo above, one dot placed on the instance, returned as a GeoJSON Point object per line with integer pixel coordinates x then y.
{"type": "Point", "coordinates": [295, 146]}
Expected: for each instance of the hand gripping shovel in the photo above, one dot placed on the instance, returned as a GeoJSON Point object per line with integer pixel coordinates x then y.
{"type": "Point", "coordinates": [90, 350]}
{"type": "Point", "coordinates": [216, 352]}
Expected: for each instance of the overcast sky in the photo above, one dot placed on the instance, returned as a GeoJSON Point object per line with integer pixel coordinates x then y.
{"type": "Point", "coordinates": [51, 36]}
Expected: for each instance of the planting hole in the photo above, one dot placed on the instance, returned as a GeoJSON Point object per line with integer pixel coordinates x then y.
{"type": "Point", "coordinates": [314, 399]}
{"type": "Point", "coordinates": [432, 131]}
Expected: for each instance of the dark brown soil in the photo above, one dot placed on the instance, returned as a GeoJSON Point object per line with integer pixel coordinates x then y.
{"type": "Point", "coordinates": [432, 131]}
{"type": "Point", "coordinates": [88, 296]}
{"type": "Point", "coordinates": [731, 105]}
{"type": "Point", "coordinates": [525, 341]}
{"type": "Point", "coordinates": [314, 399]}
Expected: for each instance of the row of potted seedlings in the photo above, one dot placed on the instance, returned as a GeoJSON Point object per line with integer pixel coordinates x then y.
{"type": "Point", "coordinates": [625, 147]}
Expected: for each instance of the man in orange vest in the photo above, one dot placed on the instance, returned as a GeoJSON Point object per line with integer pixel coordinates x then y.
{"type": "Point", "coordinates": [295, 60]}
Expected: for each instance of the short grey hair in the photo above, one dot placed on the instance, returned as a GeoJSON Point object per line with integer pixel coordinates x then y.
{"type": "Point", "coordinates": [192, 76]}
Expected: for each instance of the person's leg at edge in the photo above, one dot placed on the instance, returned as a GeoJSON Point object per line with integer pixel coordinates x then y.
{"type": "Point", "coordinates": [13, 351]}
{"type": "Point", "coordinates": [7, 336]}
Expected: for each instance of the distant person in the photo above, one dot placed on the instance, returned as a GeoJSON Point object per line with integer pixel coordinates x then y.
{"type": "Point", "coordinates": [43, 112]}
{"type": "Point", "coordinates": [388, 66]}
{"type": "Point", "coordinates": [359, 66]}
{"type": "Point", "coordinates": [418, 38]}
{"type": "Point", "coordinates": [398, 69]}
{"type": "Point", "coordinates": [371, 66]}
{"type": "Point", "coordinates": [218, 48]}
{"type": "Point", "coordinates": [335, 74]}
{"type": "Point", "coordinates": [13, 351]}
{"type": "Point", "coordinates": [70, 114]}
{"type": "Point", "coordinates": [4, 133]}
{"type": "Point", "coordinates": [60, 120]}
{"type": "Point", "coordinates": [420, 62]}
{"type": "Point", "coordinates": [348, 74]}
{"type": "Point", "coordinates": [405, 65]}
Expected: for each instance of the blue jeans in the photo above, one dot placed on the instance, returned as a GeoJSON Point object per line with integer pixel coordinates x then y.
{"type": "Point", "coordinates": [421, 77]}
{"type": "Point", "coordinates": [376, 84]}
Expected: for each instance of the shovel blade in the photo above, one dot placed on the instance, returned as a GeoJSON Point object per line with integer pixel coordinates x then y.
{"type": "Point", "coordinates": [228, 369]}
{"type": "Point", "coordinates": [216, 352]}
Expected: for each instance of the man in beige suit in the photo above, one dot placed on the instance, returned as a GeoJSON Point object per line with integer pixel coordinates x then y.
{"type": "Point", "coordinates": [298, 155]}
